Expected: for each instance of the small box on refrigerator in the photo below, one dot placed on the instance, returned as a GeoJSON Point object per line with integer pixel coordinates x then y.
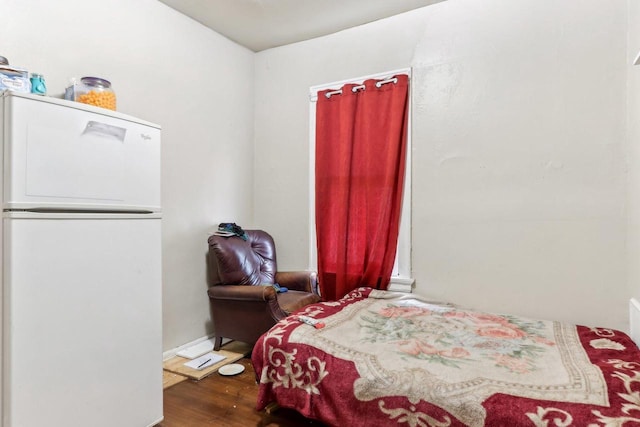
{"type": "Point", "coordinates": [14, 78]}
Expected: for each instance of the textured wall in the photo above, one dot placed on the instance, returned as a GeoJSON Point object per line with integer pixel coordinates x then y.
{"type": "Point", "coordinates": [519, 149]}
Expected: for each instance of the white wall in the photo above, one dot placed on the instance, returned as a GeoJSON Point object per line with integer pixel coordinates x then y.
{"type": "Point", "coordinates": [170, 70]}
{"type": "Point", "coordinates": [633, 118]}
{"type": "Point", "coordinates": [523, 189]}
{"type": "Point", "coordinates": [519, 149]}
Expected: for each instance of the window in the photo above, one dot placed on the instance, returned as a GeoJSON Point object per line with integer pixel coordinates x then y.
{"type": "Point", "coordinates": [401, 277]}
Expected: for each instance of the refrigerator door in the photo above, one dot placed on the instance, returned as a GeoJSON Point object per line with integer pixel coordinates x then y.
{"type": "Point", "coordinates": [82, 320]}
{"type": "Point", "coordinates": [69, 156]}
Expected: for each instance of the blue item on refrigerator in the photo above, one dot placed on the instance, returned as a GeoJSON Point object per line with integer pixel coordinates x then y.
{"type": "Point", "coordinates": [38, 85]}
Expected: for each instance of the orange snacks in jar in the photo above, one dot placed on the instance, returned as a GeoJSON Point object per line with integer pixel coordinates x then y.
{"type": "Point", "coordinates": [96, 91]}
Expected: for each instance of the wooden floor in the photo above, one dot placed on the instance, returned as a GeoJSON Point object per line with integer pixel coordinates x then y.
{"type": "Point", "coordinates": [225, 402]}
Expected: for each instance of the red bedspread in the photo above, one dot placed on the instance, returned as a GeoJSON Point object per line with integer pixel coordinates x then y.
{"type": "Point", "coordinates": [387, 359]}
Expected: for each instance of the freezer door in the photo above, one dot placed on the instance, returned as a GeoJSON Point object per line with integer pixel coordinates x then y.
{"type": "Point", "coordinates": [64, 155]}
{"type": "Point", "coordinates": [82, 322]}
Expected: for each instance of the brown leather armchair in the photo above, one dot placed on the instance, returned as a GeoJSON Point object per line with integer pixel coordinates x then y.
{"type": "Point", "coordinates": [242, 308]}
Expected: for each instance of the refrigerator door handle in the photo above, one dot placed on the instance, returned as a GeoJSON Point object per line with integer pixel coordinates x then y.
{"type": "Point", "coordinates": [104, 129]}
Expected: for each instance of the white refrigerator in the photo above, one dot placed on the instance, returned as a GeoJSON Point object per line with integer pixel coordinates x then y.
{"type": "Point", "coordinates": [81, 266]}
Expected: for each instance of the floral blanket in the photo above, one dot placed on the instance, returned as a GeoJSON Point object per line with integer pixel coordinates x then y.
{"type": "Point", "coordinates": [389, 359]}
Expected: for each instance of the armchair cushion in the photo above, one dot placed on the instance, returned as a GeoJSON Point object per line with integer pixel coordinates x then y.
{"type": "Point", "coordinates": [306, 281]}
{"type": "Point", "coordinates": [243, 262]}
{"type": "Point", "coordinates": [293, 301]}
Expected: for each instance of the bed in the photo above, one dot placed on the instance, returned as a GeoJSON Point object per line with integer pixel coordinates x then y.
{"type": "Point", "coordinates": [390, 359]}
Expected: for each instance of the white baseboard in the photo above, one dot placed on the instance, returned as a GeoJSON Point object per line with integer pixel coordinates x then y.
{"type": "Point", "coordinates": [634, 320]}
{"type": "Point", "coordinates": [171, 353]}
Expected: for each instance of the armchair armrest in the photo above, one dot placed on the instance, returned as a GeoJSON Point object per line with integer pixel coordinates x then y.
{"type": "Point", "coordinates": [242, 292]}
{"type": "Point", "coordinates": [306, 281]}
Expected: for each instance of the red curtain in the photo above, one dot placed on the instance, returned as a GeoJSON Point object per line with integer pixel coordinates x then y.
{"type": "Point", "coordinates": [361, 144]}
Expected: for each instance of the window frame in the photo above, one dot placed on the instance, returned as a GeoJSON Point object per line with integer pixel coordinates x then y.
{"type": "Point", "coordinates": [401, 278]}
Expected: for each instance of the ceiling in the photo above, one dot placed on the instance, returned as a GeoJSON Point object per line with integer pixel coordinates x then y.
{"type": "Point", "coordinates": [263, 24]}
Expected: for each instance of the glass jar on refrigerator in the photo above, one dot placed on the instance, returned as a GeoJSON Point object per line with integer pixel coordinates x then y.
{"type": "Point", "coordinates": [96, 91]}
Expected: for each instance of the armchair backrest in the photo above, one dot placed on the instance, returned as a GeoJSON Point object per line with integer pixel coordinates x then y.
{"type": "Point", "coordinates": [234, 261]}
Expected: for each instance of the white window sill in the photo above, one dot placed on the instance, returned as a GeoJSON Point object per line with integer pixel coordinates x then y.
{"type": "Point", "coordinates": [401, 284]}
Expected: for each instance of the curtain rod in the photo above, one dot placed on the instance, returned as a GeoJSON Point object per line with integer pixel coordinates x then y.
{"type": "Point", "coordinates": [354, 89]}
{"type": "Point", "coordinates": [313, 90]}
